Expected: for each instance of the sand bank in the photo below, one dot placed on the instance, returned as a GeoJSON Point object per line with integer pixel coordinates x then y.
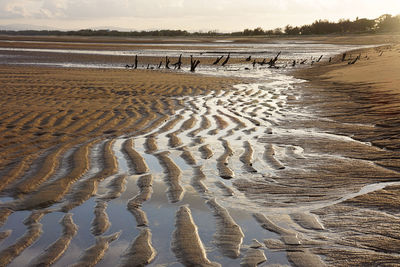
{"type": "Point", "coordinates": [366, 92]}
{"type": "Point", "coordinates": [43, 107]}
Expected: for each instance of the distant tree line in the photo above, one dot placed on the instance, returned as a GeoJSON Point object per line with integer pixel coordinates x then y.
{"type": "Point", "coordinates": [105, 32]}
{"type": "Point", "coordinates": [385, 23]}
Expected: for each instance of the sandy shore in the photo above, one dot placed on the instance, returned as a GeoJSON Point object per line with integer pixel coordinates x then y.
{"type": "Point", "coordinates": [367, 92]}
{"type": "Point", "coordinates": [371, 85]}
{"type": "Point", "coordinates": [167, 167]}
{"type": "Point", "coordinates": [57, 108]}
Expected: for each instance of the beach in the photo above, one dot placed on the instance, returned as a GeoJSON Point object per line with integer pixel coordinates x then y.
{"type": "Point", "coordinates": [366, 92]}
{"type": "Point", "coordinates": [229, 165]}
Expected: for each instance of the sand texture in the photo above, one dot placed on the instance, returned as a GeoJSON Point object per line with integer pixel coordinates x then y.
{"type": "Point", "coordinates": [104, 166]}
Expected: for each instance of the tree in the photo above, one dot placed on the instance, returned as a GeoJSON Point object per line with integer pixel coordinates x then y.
{"type": "Point", "coordinates": [388, 23]}
{"type": "Point", "coordinates": [278, 31]}
{"type": "Point", "coordinates": [258, 31]}
{"type": "Point", "coordinates": [362, 25]}
{"type": "Point", "coordinates": [292, 30]}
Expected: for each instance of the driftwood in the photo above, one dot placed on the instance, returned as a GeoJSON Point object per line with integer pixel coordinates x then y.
{"type": "Point", "coordinates": [272, 62]}
{"type": "Point", "coordinates": [134, 65]}
{"type": "Point", "coordinates": [319, 59]}
{"type": "Point", "coordinates": [226, 60]}
{"type": "Point", "coordinates": [179, 63]}
{"type": "Point", "coordinates": [193, 64]}
{"type": "Point", "coordinates": [343, 57]}
{"type": "Point", "coordinates": [304, 61]}
{"type": "Point", "coordinates": [217, 60]}
{"type": "Point", "coordinates": [354, 61]}
{"type": "Point", "coordinates": [136, 62]}
{"type": "Point", "coordinates": [276, 57]}
{"type": "Point", "coordinates": [263, 62]}
{"type": "Point", "coordinates": [294, 63]}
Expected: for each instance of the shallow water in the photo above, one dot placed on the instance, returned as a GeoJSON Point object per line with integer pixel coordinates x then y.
{"type": "Point", "coordinates": [266, 109]}
{"type": "Point", "coordinates": [290, 50]}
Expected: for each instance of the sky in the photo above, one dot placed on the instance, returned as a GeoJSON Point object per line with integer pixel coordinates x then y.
{"type": "Point", "coordinates": [190, 15]}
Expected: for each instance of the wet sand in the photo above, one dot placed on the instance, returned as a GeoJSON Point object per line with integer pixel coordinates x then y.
{"type": "Point", "coordinates": [368, 93]}
{"type": "Point", "coordinates": [166, 167]}
{"type": "Point", "coordinates": [44, 108]}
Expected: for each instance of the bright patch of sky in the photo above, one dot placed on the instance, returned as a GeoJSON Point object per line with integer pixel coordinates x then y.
{"type": "Point", "coordinates": [191, 15]}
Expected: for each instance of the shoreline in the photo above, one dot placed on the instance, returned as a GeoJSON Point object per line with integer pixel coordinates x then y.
{"type": "Point", "coordinates": [205, 49]}
{"type": "Point", "coordinates": [376, 73]}
{"type": "Point", "coordinates": [368, 94]}
{"type": "Point", "coordinates": [334, 38]}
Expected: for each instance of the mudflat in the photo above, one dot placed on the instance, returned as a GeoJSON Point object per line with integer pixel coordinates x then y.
{"type": "Point", "coordinates": [233, 165]}
{"type": "Point", "coordinates": [42, 107]}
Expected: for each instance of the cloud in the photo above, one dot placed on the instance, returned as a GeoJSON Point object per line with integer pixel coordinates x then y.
{"type": "Point", "coordinates": [17, 9]}
{"type": "Point", "coordinates": [78, 9]}
{"type": "Point", "coordinates": [185, 14]}
{"type": "Point", "coordinates": [40, 9]}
